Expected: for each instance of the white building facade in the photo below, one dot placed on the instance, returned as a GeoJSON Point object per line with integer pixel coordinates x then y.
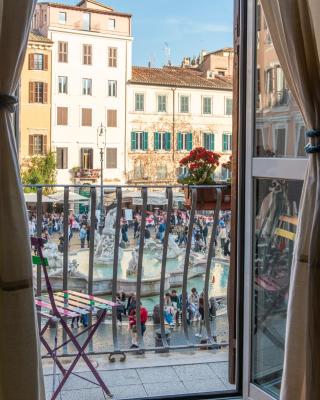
{"type": "Point", "coordinates": [170, 111]}
{"type": "Point", "coordinates": [91, 63]}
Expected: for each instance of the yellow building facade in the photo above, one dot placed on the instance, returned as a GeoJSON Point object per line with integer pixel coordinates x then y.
{"type": "Point", "coordinates": [35, 99]}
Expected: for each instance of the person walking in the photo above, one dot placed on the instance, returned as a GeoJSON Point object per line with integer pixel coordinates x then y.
{"type": "Point", "coordinates": [223, 236]}
{"type": "Point", "coordinates": [133, 325]}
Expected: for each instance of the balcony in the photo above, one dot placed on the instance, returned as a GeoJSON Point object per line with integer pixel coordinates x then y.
{"type": "Point", "coordinates": [180, 353]}
{"type": "Point", "coordinates": [85, 175]}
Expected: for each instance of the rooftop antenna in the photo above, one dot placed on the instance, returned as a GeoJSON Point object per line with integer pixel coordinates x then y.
{"type": "Point", "coordinates": [167, 51]}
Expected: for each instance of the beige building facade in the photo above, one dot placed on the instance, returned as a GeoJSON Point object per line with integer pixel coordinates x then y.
{"type": "Point", "coordinates": [35, 98]}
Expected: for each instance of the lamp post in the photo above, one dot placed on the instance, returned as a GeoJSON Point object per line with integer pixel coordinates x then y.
{"type": "Point", "coordinates": [101, 143]}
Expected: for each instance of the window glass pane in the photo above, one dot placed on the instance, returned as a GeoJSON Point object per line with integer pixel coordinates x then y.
{"type": "Point", "coordinates": [184, 104]}
{"type": "Point", "coordinates": [38, 61]}
{"type": "Point", "coordinates": [87, 87]}
{"type": "Point", "coordinates": [277, 114]}
{"type": "Point", "coordinates": [139, 102]}
{"type": "Point", "coordinates": [86, 21]}
{"type": "Point", "coordinates": [276, 212]}
{"type": "Point", "coordinates": [63, 84]}
{"type": "Point", "coordinates": [162, 103]}
{"type": "Point", "coordinates": [207, 105]}
{"type": "Point", "coordinates": [228, 106]}
{"type": "Point", "coordinates": [62, 17]}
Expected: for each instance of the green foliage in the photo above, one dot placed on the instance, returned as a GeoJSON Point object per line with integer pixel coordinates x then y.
{"type": "Point", "coordinates": [40, 170]}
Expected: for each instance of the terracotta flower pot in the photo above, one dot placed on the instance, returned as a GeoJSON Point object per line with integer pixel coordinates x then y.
{"type": "Point", "coordinates": [207, 198]}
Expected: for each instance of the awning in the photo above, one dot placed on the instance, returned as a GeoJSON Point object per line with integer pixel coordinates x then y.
{"type": "Point", "coordinates": [32, 198]}
{"type": "Point", "coordinates": [73, 197]}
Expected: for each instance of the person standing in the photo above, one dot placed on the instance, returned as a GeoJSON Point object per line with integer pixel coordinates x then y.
{"type": "Point", "coordinates": [223, 236]}
{"type": "Point", "coordinates": [88, 235]}
{"type": "Point", "coordinates": [133, 325]}
{"type": "Point", "coordinates": [124, 232]}
{"type": "Point", "coordinates": [205, 232]}
{"type": "Point", "coordinates": [83, 235]}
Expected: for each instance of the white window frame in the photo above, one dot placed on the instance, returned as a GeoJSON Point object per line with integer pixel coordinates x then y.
{"type": "Point", "coordinates": [65, 17]}
{"type": "Point", "coordinates": [225, 106]}
{"type": "Point", "coordinates": [85, 87]}
{"type": "Point", "coordinates": [139, 141]}
{"type": "Point", "coordinates": [180, 103]}
{"type": "Point", "coordinates": [166, 103]}
{"type": "Point", "coordinates": [61, 92]}
{"type": "Point", "coordinates": [111, 24]}
{"type": "Point", "coordinates": [112, 88]}
{"type": "Point", "coordinates": [211, 103]}
{"type": "Point", "coordinates": [134, 101]}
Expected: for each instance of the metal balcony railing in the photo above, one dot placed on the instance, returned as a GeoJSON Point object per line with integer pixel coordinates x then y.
{"type": "Point", "coordinates": [168, 194]}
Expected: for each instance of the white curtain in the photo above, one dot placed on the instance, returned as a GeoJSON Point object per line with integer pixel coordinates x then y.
{"type": "Point", "coordinates": [295, 30]}
{"type": "Point", "coordinates": [20, 362]}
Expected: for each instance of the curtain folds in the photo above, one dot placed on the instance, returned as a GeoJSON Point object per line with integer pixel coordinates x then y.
{"type": "Point", "coordinates": [295, 31]}
{"type": "Point", "coordinates": [20, 361]}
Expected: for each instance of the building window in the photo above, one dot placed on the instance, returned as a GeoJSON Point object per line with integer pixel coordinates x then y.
{"type": "Point", "coordinates": [162, 103]}
{"type": "Point", "coordinates": [162, 171]}
{"type": "Point", "coordinates": [86, 117]}
{"type": "Point", "coordinates": [184, 104]}
{"type": "Point", "coordinates": [86, 161]}
{"type": "Point", "coordinates": [184, 141]}
{"type": "Point", "coordinates": [301, 141]}
{"type": "Point", "coordinates": [38, 92]}
{"type": "Point", "coordinates": [62, 115]}
{"type": "Point", "coordinates": [63, 84]}
{"type": "Point", "coordinates": [162, 141]}
{"type": "Point", "coordinates": [86, 20]}
{"type": "Point", "coordinates": [111, 24]}
{"type": "Point", "coordinates": [208, 141]}
{"type": "Point", "coordinates": [226, 142]}
{"type": "Point", "coordinates": [112, 88]}
{"type": "Point", "coordinates": [87, 87]}
{"type": "Point", "coordinates": [228, 106]}
{"type": "Point", "coordinates": [207, 105]}
{"type": "Point", "coordinates": [112, 56]}
{"type": "Point", "coordinates": [280, 142]}
{"type": "Point", "coordinates": [63, 52]}
{"type": "Point", "coordinates": [87, 54]}
{"type": "Point", "coordinates": [37, 144]}
{"type": "Point", "coordinates": [112, 118]}
{"type": "Point", "coordinates": [38, 61]}
{"type": "Point", "coordinates": [111, 158]}
{"type": "Point", "coordinates": [139, 102]}
{"type": "Point", "coordinates": [62, 157]}
{"type": "Point", "coordinates": [62, 17]}
{"type": "Point", "coordinates": [139, 141]}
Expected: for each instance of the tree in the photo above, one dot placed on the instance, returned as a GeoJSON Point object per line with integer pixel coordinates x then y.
{"type": "Point", "coordinates": [39, 170]}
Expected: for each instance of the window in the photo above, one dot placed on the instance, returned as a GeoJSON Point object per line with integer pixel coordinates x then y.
{"type": "Point", "coordinates": [226, 142]}
{"type": "Point", "coordinates": [184, 104]}
{"type": "Point", "coordinates": [86, 19]}
{"type": "Point", "coordinates": [86, 155]}
{"type": "Point", "coordinates": [112, 88]}
{"type": "Point", "coordinates": [208, 141]}
{"type": "Point", "coordinates": [301, 141]}
{"type": "Point", "coordinates": [87, 54]}
{"type": "Point", "coordinates": [111, 24]}
{"type": "Point", "coordinates": [112, 118]}
{"type": "Point", "coordinates": [38, 61]}
{"type": "Point", "coordinates": [62, 157]}
{"type": "Point", "coordinates": [38, 92]}
{"type": "Point", "coordinates": [184, 141]}
{"type": "Point", "coordinates": [139, 102]}
{"type": "Point", "coordinates": [112, 56]}
{"type": "Point", "coordinates": [62, 17]}
{"type": "Point", "coordinates": [37, 144]}
{"type": "Point", "coordinates": [162, 103]}
{"type": "Point", "coordinates": [139, 141]}
{"type": "Point", "coordinates": [63, 52]}
{"type": "Point", "coordinates": [86, 117]}
{"type": "Point", "coordinates": [162, 171]}
{"type": "Point", "coordinates": [111, 158]}
{"type": "Point", "coordinates": [162, 141]}
{"type": "Point", "coordinates": [228, 106]}
{"type": "Point", "coordinates": [87, 87]}
{"type": "Point", "coordinates": [62, 115]}
{"type": "Point", "coordinates": [280, 142]}
{"type": "Point", "coordinates": [63, 84]}
{"type": "Point", "coordinates": [207, 105]}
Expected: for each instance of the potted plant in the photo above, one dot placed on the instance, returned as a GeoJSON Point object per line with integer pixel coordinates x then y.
{"type": "Point", "coordinates": [200, 165]}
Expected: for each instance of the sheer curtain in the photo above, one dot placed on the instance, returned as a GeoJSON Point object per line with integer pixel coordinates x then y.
{"type": "Point", "coordinates": [20, 362]}
{"type": "Point", "coordinates": [295, 31]}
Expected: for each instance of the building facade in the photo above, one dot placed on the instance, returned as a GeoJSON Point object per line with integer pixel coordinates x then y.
{"type": "Point", "coordinates": [170, 111]}
{"type": "Point", "coordinates": [91, 63]}
{"type": "Point", "coordinates": [35, 99]}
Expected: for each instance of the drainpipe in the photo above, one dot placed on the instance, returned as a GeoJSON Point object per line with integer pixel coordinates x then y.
{"type": "Point", "coordinates": [173, 121]}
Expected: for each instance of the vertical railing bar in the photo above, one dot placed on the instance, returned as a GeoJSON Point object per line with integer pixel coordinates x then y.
{"type": "Point", "coordinates": [163, 267]}
{"type": "Point", "coordinates": [144, 195]}
{"type": "Point", "coordinates": [186, 263]}
{"type": "Point", "coordinates": [209, 262]}
{"type": "Point", "coordinates": [93, 205]}
{"type": "Point", "coordinates": [115, 268]}
{"type": "Point", "coordinates": [39, 234]}
{"type": "Point", "coordinates": [65, 250]}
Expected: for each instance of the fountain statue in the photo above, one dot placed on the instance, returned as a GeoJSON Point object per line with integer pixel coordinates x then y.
{"type": "Point", "coordinates": [105, 242]}
{"type": "Point", "coordinates": [55, 260]}
{"type": "Point", "coordinates": [133, 265]}
{"type": "Point", "coordinates": [174, 251]}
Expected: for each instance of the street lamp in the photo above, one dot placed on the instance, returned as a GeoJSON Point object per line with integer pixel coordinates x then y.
{"type": "Point", "coordinates": [101, 143]}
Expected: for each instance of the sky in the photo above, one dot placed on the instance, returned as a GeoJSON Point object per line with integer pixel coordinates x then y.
{"type": "Point", "coordinates": [185, 27]}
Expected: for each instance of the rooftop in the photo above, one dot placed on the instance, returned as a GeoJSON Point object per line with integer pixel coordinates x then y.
{"type": "Point", "coordinates": [221, 51]}
{"type": "Point", "coordinates": [179, 77]}
{"type": "Point", "coordinates": [37, 37]}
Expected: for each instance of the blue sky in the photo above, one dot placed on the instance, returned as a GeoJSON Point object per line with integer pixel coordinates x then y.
{"type": "Point", "coordinates": [187, 26]}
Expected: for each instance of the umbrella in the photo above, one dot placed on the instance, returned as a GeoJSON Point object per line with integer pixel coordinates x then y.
{"type": "Point", "coordinates": [32, 198]}
{"type": "Point", "coordinates": [59, 197]}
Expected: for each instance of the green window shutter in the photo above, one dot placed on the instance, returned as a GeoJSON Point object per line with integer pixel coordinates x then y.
{"type": "Point", "coordinates": [224, 142]}
{"type": "Point", "coordinates": [179, 141]}
{"type": "Point", "coordinates": [156, 140]}
{"type": "Point", "coordinates": [212, 142]}
{"type": "Point", "coordinates": [145, 140]}
{"type": "Point", "coordinates": [133, 141]}
{"type": "Point", "coordinates": [189, 141]}
{"type": "Point", "coordinates": [168, 141]}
